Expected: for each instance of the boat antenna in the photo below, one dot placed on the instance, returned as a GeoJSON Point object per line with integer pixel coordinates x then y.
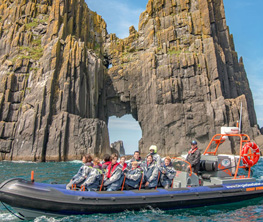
{"type": "Point", "coordinates": [240, 118]}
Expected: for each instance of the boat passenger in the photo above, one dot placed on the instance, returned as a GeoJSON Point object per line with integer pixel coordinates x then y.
{"type": "Point", "coordinates": [167, 173]}
{"type": "Point", "coordinates": [89, 160]}
{"type": "Point", "coordinates": [84, 170]}
{"type": "Point", "coordinates": [106, 162]}
{"type": "Point", "coordinates": [93, 179]}
{"type": "Point", "coordinates": [137, 158]}
{"type": "Point", "coordinates": [113, 177]}
{"type": "Point", "coordinates": [153, 153]}
{"type": "Point", "coordinates": [150, 171]}
{"type": "Point", "coordinates": [133, 177]}
{"type": "Point", "coordinates": [122, 163]}
{"type": "Point", "coordinates": [96, 163]}
{"type": "Point", "coordinates": [194, 156]}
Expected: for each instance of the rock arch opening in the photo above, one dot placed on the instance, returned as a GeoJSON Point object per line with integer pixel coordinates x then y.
{"type": "Point", "coordinates": [126, 129]}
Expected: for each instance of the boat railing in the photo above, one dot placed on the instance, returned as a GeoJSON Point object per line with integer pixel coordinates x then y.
{"type": "Point", "coordinates": [141, 181]}
{"type": "Point", "coordinates": [102, 180]}
{"type": "Point", "coordinates": [218, 139]}
{"type": "Point", "coordinates": [123, 182]}
{"type": "Point", "coordinates": [184, 163]}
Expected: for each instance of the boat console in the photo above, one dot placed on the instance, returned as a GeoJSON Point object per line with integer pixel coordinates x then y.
{"type": "Point", "coordinates": [219, 169]}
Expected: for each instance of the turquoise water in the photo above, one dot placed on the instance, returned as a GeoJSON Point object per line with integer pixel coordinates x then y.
{"type": "Point", "coordinates": [62, 172]}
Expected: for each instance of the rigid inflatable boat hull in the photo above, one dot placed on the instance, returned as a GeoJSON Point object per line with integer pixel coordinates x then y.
{"type": "Point", "coordinates": [35, 199]}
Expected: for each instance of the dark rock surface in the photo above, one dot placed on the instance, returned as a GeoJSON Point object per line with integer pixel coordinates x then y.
{"type": "Point", "coordinates": [178, 75]}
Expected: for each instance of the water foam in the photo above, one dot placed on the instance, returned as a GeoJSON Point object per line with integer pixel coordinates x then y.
{"type": "Point", "coordinates": [7, 217]}
{"type": "Point", "coordinates": [45, 219]}
{"type": "Point", "coordinates": [19, 161]}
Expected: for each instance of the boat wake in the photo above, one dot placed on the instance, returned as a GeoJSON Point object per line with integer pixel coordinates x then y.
{"type": "Point", "coordinates": [152, 210]}
{"type": "Point", "coordinates": [48, 219]}
{"type": "Point", "coordinates": [7, 217]}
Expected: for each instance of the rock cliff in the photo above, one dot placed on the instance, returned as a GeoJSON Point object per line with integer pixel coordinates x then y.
{"type": "Point", "coordinates": [178, 75]}
{"type": "Point", "coordinates": [52, 80]}
{"type": "Point", "coordinates": [117, 147]}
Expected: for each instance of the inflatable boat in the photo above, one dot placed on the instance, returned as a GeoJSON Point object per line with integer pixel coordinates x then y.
{"type": "Point", "coordinates": [221, 179]}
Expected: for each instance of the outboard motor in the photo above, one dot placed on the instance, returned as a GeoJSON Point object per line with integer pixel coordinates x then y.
{"type": "Point", "coordinates": [217, 166]}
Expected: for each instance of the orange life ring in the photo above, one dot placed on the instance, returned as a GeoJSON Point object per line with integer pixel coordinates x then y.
{"type": "Point", "coordinates": [254, 157]}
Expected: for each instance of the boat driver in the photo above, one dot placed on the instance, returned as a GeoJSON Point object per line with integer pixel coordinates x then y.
{"type": "Point", "coordinates": [193, 157]}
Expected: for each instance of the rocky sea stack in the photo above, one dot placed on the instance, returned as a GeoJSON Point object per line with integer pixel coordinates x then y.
{"type": "Point", "coordinates": [178, 75]}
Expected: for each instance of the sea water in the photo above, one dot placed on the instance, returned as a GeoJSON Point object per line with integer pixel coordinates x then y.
{"type": "Point", "coordinates": [62, 172]}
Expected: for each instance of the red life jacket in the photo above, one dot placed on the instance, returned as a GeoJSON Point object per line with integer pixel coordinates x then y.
{"type": "Point", "coordinates": [106, 164]}
{"type": "Point", "coordinates": [124, 166]}
{"type": "Point", "coordinates": [192, 151]}
{"type": "Point", "coordinates": [111, 169]}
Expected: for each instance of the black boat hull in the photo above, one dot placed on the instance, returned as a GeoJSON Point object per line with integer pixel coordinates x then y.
{"type": "Point", "coordinates": [36, 199]}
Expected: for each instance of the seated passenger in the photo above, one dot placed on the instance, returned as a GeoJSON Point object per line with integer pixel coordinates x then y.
{"type": "Point", "coordinates": [168, 173]}
{"type": "Point", "coordinates": [122, 163]}
{"type": "Point", "coordinates": [133, 177]}
{"type": "Point", "coordinates": [106, 162]}
{"type": "Point", "coordinates": [96, 163]}
{"type": "Point", "coordinates": [79, 178]}
{"type": "Point", "coordinates": [89, 160]}
{"type": "Point", "coordinates": [150, 171]}
{"type": "Point", "coordinates": [93, 179]}
{"type": "Point", "coordinates": [153, 153]}
{"type": "Point", "coordinates": [113, 177]}
{"type": "Point", "coordinates": [137, 158]}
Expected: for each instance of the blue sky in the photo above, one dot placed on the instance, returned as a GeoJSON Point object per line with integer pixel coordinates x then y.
{"type": "Point", "coordinates": [244, 19]}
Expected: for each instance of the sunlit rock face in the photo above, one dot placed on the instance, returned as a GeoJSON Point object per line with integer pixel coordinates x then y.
{"type": "Point", "coordinates": [52, 80]}
{"type": "Point", "coordinates": [178, 75]}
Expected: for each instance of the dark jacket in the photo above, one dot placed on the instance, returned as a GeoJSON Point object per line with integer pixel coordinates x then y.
{"type": "Point", "coordinates": [89, 164]}
{"type": "Point", "coordinates": [193, 158]}
{"type": "Point", "coordinates": [79, 178]}
{"type": "Point", "coordinates": [93, 179]}
{"type": "Point", "coordinates": [133, 177]}
{"type": "Point", "coordinates": [150, 173]}
{"type": "Point", "coordinates": [115, 180]}
{"type": "Point", "coordinates": [168, 175]}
